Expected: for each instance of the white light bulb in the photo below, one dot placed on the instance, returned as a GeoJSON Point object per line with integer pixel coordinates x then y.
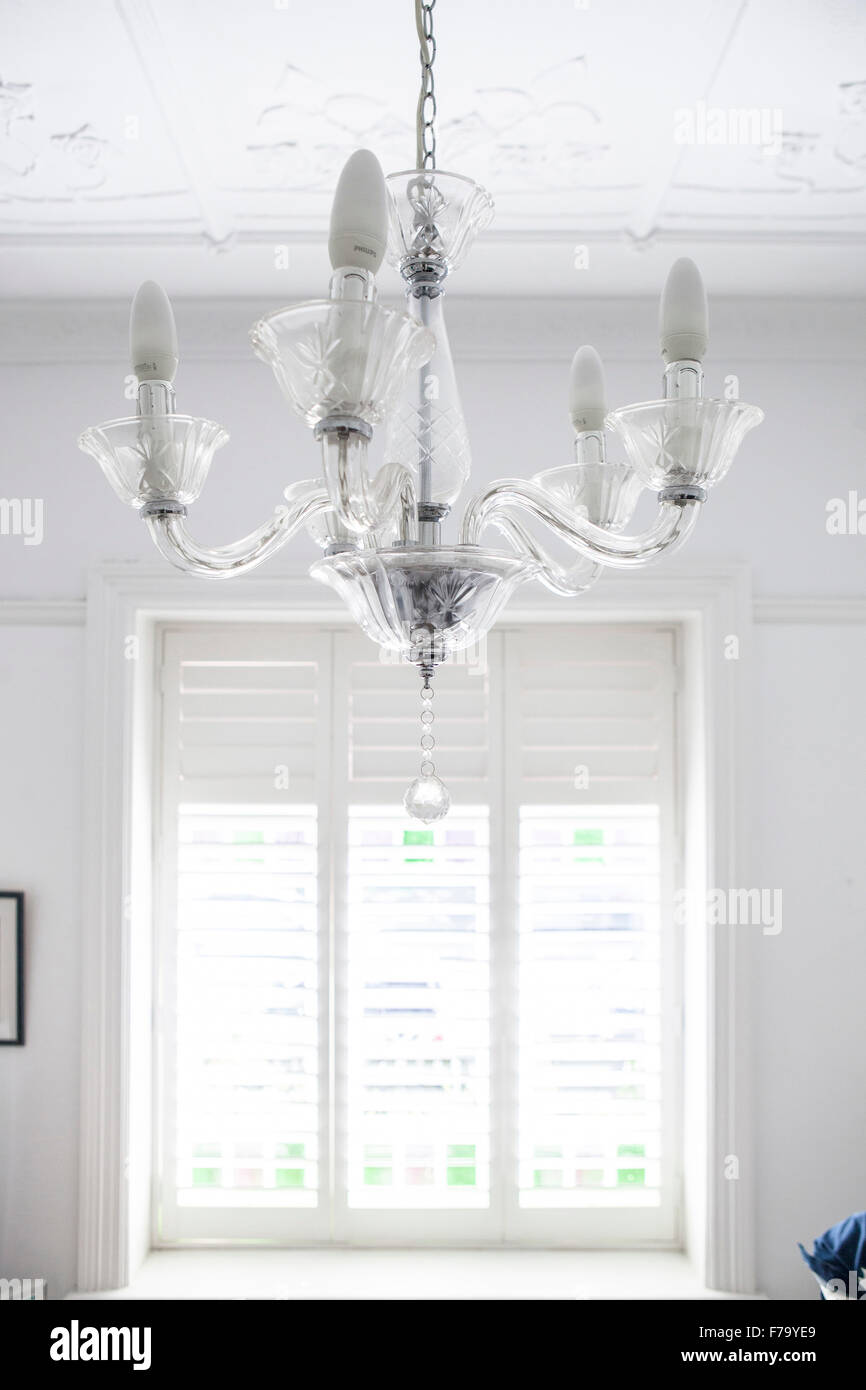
{"type": "Point", "coordinates": [152, 334]}
{"type": "Point", "coordinates": [683, 317]}
{"type": "Point", "coordinates": [359, 214]}
{"type": "Point", "coordinates": [586, 396]}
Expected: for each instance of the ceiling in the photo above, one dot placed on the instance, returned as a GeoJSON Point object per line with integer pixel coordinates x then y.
{"type": "Point", "coordinates": [199, 140]}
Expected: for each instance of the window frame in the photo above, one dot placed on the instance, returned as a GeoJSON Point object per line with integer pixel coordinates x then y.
{"type": "Point", "coordinates": [127, 600]}
{"type": "Point", "coordinates": [173, 1225]}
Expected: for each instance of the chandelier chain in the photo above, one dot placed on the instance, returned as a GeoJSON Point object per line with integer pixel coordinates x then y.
{"type": "Point", "coordinates": [425, 147]}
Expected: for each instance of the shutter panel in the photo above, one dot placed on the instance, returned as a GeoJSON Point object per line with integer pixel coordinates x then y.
{"type": "Point", "coordinates": [245, 739]}
{"type": "Point", "coordinates": [416, 1017]}
{"type": "Point", "coordinates": [590, 720]}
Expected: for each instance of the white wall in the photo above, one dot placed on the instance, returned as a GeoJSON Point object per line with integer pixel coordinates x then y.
{"type": "Point", "coordinates": [62, 367]}
{"type": "Point", "coordinates": [809, 818]}
{"type": "Point", "coordinates": [41, 690]}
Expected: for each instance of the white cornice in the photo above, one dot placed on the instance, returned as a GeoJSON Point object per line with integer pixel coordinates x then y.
{"type": "Point", "coordinates": [42, 612]}
{"type": "Point", "coordinates": [482, 329]}
{"type": "Point", "coordinates": [318, 605]}
{"type": "Point", "coordinates": [822, 612]}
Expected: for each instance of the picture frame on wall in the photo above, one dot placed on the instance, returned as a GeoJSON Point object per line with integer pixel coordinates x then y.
{"type": "Point", "coordinates": [11, 968]}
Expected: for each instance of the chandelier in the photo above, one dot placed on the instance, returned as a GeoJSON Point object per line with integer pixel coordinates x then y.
{"type": "Point", "coordinates": [347, 365]}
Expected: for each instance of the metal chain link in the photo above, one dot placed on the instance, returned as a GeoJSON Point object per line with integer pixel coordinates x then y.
{"type": "Point", "coordinates": [425, 152]}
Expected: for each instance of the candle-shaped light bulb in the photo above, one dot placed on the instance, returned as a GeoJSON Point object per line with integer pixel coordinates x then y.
{"type": "Point", "coordinates": [359, 214]}
{"type": "Point", "coordinates": [586, 397]}
{"type": "Point", "coordinates": [683, 318]}
{"type": "Point", "coordinates": [152, 334]}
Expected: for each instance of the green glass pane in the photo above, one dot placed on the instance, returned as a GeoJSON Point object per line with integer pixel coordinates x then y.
{"type": "Point", "coordinates": [461, 1177]}
{"type": "Point", "coordinates": [290, 1150]}
{"type": "Point", "coordinates": [382, 1152]}
{"type": "Point", "coordinates": [206, 1177]}
{"type": "Point", "coordinates": [209, 1149]}
{"type": "Point", "coordinates": [378, 1177]}
{"type": "Point", "coordinates": [547, 1177]}
{"type": "Point", "coordinates": [290, 1177]}
{"type": "Point", "coordinates": [630, 1151]}
{"type": "Point", "coordinates": [588, 837]}
{"type": "Point", "coordinates": [630, 1177]}
{"type": "Point", "coordinates": [249, 837]}
{"type": "Point", "coordinates": [417, 837]}
{"type": "Point", "coordinates": [461, 1150]}
{"type": "Point", "coordinates": [542, 1151]}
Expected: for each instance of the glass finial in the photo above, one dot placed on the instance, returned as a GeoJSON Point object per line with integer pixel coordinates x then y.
{"type": "Point", "coordinates": [428, 798]}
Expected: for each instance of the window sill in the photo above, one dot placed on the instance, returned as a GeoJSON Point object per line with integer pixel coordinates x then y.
{"type": "Point", "coordinates": [392, 1275]}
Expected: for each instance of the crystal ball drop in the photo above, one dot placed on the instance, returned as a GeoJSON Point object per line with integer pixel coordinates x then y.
{"type": "Point", "coordinates": [427, 799]}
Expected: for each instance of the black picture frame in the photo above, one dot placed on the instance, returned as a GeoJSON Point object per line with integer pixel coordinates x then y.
{"type": "Point", "coordinates": [12, 998]}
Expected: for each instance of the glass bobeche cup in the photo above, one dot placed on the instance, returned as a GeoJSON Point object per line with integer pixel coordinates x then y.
{"type": "Point", "coordinates": [687, 442]}
{"type": "Point", "coordinates": [606, 493]}
{"type": "Point", "coordinates": [341, 357]}
{"type": "Point", "coordinates": [155, 458]}
{"type": "Point", "coordinates": [435, 216]}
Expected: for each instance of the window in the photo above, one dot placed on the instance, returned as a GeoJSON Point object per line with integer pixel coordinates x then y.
{"type": "Point", "coordinates": [368, 1029]}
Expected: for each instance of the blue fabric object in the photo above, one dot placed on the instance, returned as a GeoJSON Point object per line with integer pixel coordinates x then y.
{"type": "Point", "coordinates": [839, 1250]}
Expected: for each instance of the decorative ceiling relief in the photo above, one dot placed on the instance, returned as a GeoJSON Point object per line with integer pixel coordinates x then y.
{"type": "Point", "coordinates": [17, 158]}
{"type": "Point", "coordinates": [797, 160]}
{"type": "Point", "coordinates": [211, 126]}
{"type": "Point", "coordinates": [49, 166]}
{"type": "Point", "coordinates": [548, 135]}
{"type": "Point", "coordinates": [302, 131]}
{"type": "Point", "coordinates": [41, 165]}
{"type": "Point", "coordinates": [544, 135]}
{"type": "Point", "coordinates": [850, 147]}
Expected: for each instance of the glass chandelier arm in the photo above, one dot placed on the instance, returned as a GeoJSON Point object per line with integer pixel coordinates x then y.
{"type": "Point", "coordinates": [566, 580]}
{"type": "Point", "coordinates": [393, 491]}
{"type": "Point", "coordinates": [673, 524]}
{"type": "Point", "coordinates": [171, 537]}
{"type": "Point", "coordinates": [363, 503]}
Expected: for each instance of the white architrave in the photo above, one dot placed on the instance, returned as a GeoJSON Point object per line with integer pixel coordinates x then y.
{"type": "Point", "coordinates": [124, 602]}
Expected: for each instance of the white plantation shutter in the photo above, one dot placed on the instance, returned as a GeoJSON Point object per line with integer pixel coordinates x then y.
{"type": "Point", "coordinates": [590, 719]}
{"type": "Point", "coordinates": [375, 1030]}
{"type": "Point", "coordinates": [415, 909]}
{"type": "Point", "coordinates": [246, 725]}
